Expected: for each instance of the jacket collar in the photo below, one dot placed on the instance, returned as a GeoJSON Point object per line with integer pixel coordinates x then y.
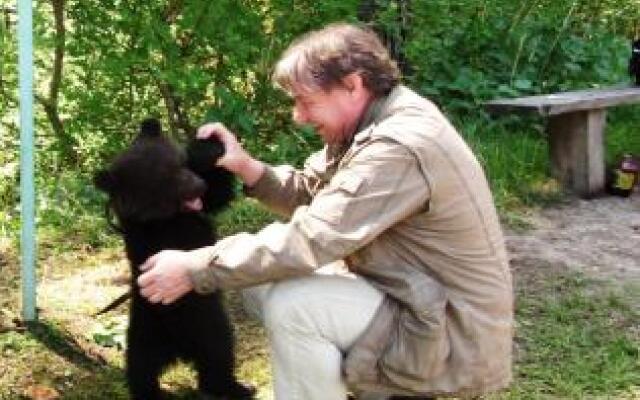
{"type": "Point", "coordinates": [379, 109]}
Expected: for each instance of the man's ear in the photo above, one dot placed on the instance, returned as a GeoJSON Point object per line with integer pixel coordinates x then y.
{"type": "Point", "coordinates": [354, 84]}
{"type": "Point", "coordinates": [352, 81]}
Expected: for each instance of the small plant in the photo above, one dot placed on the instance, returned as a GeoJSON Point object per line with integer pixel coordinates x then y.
{"type": "Point", "coordinates": [111, 332]}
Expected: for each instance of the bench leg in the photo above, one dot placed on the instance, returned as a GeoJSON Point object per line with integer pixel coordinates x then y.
{"type": "Point", "coordinates": [576, 145]}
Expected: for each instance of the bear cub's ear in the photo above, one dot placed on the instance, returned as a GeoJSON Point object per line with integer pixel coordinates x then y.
{"type": "Point", "coordinates": [104, 181]}
{"type": "Point", "coordinates": [202, 154]}
{"type": "Point", "coordinates": [151, 127]}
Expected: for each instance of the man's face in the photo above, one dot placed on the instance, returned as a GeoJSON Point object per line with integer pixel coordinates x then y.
{"type": "Point", "coordinates": [333, 113]}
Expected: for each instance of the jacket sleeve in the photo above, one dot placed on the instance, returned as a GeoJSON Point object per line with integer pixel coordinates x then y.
{"type": "Point", "coordinates": [283, 188]}
{"type": "Point", "coordinates": [381, 185]}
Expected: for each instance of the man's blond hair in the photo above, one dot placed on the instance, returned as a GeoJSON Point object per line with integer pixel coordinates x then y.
{"type": "Point", "coordinates": [321, 59]}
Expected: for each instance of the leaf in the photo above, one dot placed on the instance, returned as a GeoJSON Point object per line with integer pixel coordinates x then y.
{"type": "Point", "coordinates": [507, 90]}
{"type": "Point", "coordinates": [111, 333]}
{"type": "Point", "coordinates": [523, 84]}
{"type": "Point", "coordinates": [572, 66]}
{"type": "Point", "coordinates": [246, 123]}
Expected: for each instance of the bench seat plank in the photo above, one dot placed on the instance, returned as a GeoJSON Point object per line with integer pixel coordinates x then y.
{"type": "Point", "coordinates": [560, 103]}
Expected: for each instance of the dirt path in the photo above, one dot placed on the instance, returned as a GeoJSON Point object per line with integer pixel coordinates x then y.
{"type": "Point", "coordinates": [600, 237]}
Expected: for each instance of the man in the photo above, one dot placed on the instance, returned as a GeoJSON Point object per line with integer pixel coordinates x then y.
{"type": "Point", "coordinates": [425, 307]}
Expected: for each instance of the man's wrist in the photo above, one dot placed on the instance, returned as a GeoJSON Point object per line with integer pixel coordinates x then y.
{"type": "Point", "coordinates": [251, 171]}
{"type": "Point", "coordinates": [203, 280]}
{"type": "Point", "coordinates": [200, 273]}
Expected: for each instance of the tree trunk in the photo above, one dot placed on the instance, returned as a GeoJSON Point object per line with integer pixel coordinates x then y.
{"type": "Point", "coordinates": [395, 38]}
{"type": "Point", "coordinates": [50, 103]}
{"type": "Point", "coordinates": [178, 120]}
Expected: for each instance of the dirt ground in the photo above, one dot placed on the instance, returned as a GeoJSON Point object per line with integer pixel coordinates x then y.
{"type": "Point", "coordinates": [599, 237]}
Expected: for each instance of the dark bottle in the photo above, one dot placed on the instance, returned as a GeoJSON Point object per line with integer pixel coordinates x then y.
{"type": "Point", "coordinates": [634, 62]}
{"type": "Point", "coordinates": [623, 177]}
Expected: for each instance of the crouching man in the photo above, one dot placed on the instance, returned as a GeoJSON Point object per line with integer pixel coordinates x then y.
{"type": "Point", "coordinates": [425, 305]}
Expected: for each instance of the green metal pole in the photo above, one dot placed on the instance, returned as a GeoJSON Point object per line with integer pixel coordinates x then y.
{"type": "Point", "coordinates": [27, 191]}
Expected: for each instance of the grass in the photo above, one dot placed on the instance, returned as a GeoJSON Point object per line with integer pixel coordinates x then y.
{"type": "Point", "coordinates": [47, 358]}
{"type": "Point", "coordinates": [69, 353]}
{"type": "Point", "coordinates": [516, 161]}
{"type": "Point", "coordinates": [575, 338]}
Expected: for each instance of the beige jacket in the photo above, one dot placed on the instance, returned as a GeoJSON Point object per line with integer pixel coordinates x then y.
{"type": "Point", "coordinates": [407, 205]}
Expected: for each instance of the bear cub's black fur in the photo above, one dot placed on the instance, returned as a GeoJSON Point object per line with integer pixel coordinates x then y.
{"type": "Point", "coordinates": [161, 199]}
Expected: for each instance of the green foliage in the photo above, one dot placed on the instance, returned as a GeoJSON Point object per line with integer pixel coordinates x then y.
{"type": "Point", "coordinates": [623, 138]}
{"type": "Point", "coordinates": [464, 53]}
{"type": "Point", "coordinates": [8, 65]}
{"type": "Point", "coordinates": [194, 61]}
{"type": "Point", "coordinates": [71, 207]}
{"type": "Point", "coordinates": [245, 215]}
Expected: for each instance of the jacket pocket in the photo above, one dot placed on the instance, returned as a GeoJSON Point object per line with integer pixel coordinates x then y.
{"type": "Point", "coordinates": [332, 203]}
{"type": "Point", "coordinates": [419, 347]}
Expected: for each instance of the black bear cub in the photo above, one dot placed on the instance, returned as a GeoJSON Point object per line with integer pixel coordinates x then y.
{"type": "Point", "coordinates": [161, 199]}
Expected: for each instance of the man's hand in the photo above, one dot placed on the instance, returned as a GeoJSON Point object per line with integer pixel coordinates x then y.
{"type": "Point", "coordinates": [235, 158]}
{"type": "Point", "coordinates": [167, 276]}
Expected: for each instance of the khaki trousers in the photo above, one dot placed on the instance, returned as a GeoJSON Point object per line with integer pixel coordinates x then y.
{"type": "Point", "coordinates": [311, 322]}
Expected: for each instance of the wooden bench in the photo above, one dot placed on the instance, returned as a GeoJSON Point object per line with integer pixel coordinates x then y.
{"type": "Point", "coordinates": [575, 126]}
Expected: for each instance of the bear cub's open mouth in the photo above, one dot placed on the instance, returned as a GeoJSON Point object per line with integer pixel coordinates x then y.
{"type": "Point", "coordinates": [194, 204]}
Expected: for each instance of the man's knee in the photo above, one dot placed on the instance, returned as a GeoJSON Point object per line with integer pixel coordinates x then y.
{"type": "Point", "coordinates": [284, 308]}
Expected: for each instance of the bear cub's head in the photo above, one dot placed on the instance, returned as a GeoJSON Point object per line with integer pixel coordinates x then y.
{"type": "Point", "coordinates": [154, 180]}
